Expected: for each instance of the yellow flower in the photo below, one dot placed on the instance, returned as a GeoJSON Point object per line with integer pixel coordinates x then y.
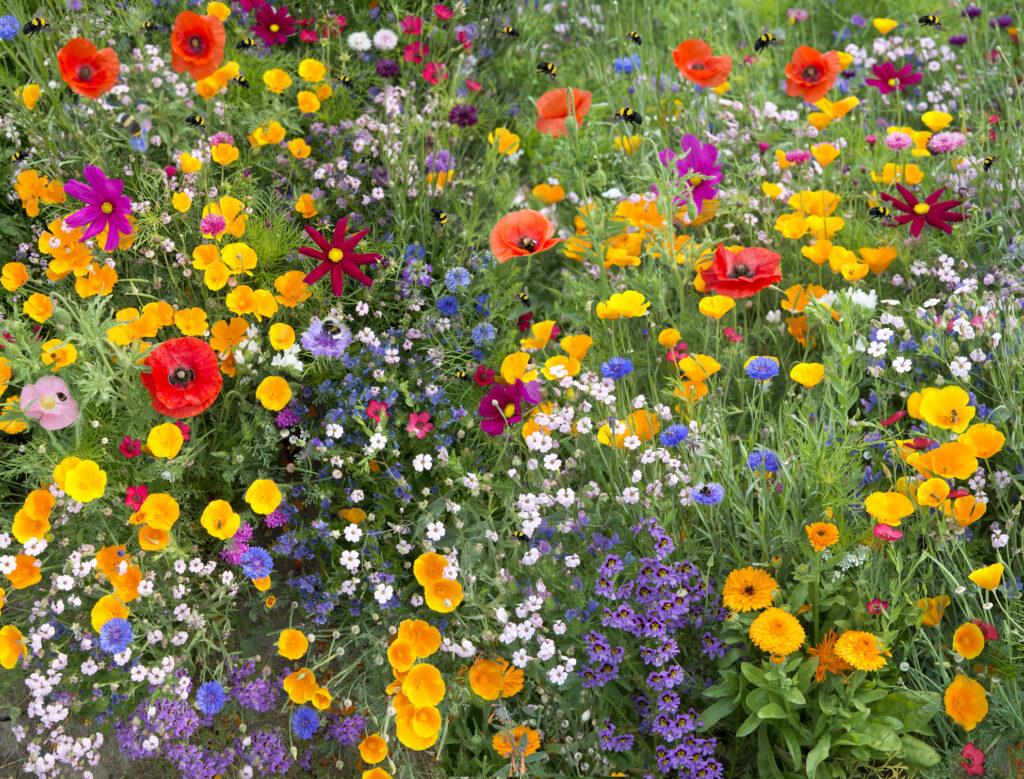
{"type": "Point", "coordinates": [983, 439]}
{"type": "Point", "coordinates": [401, 655]}
{"type": "Point", "coordinates": [825, 153]}
{"type": "Point", "coordinates": [862, 650]}
{"type": "Point", "coordinates": [932, 610]}
{"type": "Point", "coordinates": [932, 492]}
{"type": "Point", "coordinates": [14, 276]}
{"type": "Point", "coordinates": [373, 749]}
{"type": "Point", "coordinates": [549, 194]}
{"type": "Point", "coordinates": [821, 535]}
{"type": "Point", "coordinates": [307, 102]}
{"type": "Point", "coordinates": [224, 153]}
{"type": "Point", "coordinates": [292, 644]}
{"type": "Point", "coordinates": [270, 134]}
{"type": "Point", "coordinates": [220, 520]}
{"type": "Point", "coordinates": [263, 496]}
{"type": "Point", "coordinates": [323, 91]}
{"type": "Point", "coordinates": [282, 336]}
{"type": "Point", "coordinates": [159, 510]}
{"type": "Point", "coordinates": [792, 225]}
{"type": "Point", "coordinates": [716, 306]}
{"type": "Point", "coordinates": [312, 70]}
{"type": "Point", "coordinates": [239, 257]}
{"type": "Point", "coordinates": [276, 80]}
{"type": "Point", "coordinates": [669, 337]}
{"type": "Point", "coordinates": [514, 367]}
{"type": "Point", "coordinates": [774, 191]}
{"type": "Point", "coordinates": [520, 741]}
{"type": "Point", "coordinates": [59, 354]}
{"type": "Point", "coordinates": [627, 144]}
{"type": "Point", "coordinates": [947, 408]}
{"type": "Point", "coordinates": [503, 140]}
{"type": "Point", "coordinates": [165, 440]}
{"type": "Point", "coordinates": [306, 206]}
{"type": "Point", "coordinates": [777, 632]}
{"type": "Point", "coordinates": [273, 393]}
{"type": "Point", "coordinates": [107, 608]}
{"type": "Point", "coordinates": [989, 577]}
{"type": "Point", "coordinates": [181, 202]}
{"type": "Point", "coordinates": [623, 305]}
{"type": "Point", "coordinates": [966, 702]}
{"type": "Point", "coordinates": [191, 321]}
{"type": "Point", "coordinates": [423, 685]}
{"type": "Point", "coordinates": [38, 307]}
{"type": "Point", "coordinates": [936, 121]}
{"type": "Point", "coordinates": [808, 374]}
{"type": "Point", "coordinates": [748, 589]}
{"type": "Point", "coordinates": [188, 163]}
{"type": "Point", "coordinates": [220, 10]}
{"type": "Point", "coordinates": [891, 173]}
{"type": "Point", "coordinates": [82, 480]}
{"type": "Point", "coordinates": [884, 26]}
{"type": "Point", "coordinates": [299, 148]}
{"type": "Point", "coordinates": [30, 95]}
{"type": "Point", "coordinates": [12, 646]}
{"type": "Point", "coordinates": [968, 641]}
{"type": "Point", "coordinates": [888, 507]}
{"type": "Point", "coordinates": [232, 210]}
{"type": "Point", "coordinates": [443, 596]}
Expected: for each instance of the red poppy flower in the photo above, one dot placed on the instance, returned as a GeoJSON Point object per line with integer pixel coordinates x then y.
{"type": "Point", "coordinates": [184, 377]}
{"type": "Point", "coordinates": [695, 62]}
{"type": "Point", "coordinates": [87, 70]}
{"type": "Point", "coordinates": [810, 74]}
{"type": "Point", "coordinates": [930, 211]}
{"type": "Point", "coordinates": [521, 233]}
{"type": "Point", "coordinates": [741, 274]}
{"type": "Point", "coordinates": [197, 44]}
{"type": "Point", "coordinates": [553, 110]}
{"type": "Point", "coordinates": [337, 257]}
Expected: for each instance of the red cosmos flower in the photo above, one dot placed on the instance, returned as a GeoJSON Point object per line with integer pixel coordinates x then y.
{"type": "Point", "coordinates": [741, 274]}
{"type": "Point", "coordinates": [930, 211]}
{"type": "Point", "coordinates": [197, 44]}
{"type": "Point", "coordinates": [553, 110]}
{"type": "Point", "coordinates": [694, 60]}
{"type": "Point", "coordinates": [337, 257]}
{"type": "Point", "coordinates": [184, 377]}
{"type": "Point", "coordinates": [811, 73]}
{"type": "Point", "coordinates": [89, 71]}
{"type": "Point", "coordinates": [484, 376]}
{"type": "Point", "coordinates": [520, 233]}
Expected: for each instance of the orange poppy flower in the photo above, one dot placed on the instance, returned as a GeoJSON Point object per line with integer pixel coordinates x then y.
{"type": "Point", "coordinates": [695, 62]}
{"type": "Point", "coordinates": [810, 74]}
{"type": "Point", "coordinates": [520, 233]}
{"type": "Point", "coordinates": [89, 71]}
{"type": "Point", "coordinates": [197, 44]}
{"type": "Point", "coordinates": [553, 110]}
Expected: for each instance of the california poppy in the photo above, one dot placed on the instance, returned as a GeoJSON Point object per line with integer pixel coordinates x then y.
{"type": "Point", "coordinates": [553, 110]}
{"type": "Point", "coordinates": [695, 62]}
{"type": "Point", "coordinates": [520, 233]}
{"type": "Point", "coordinates": [184, 377]}
{"type": "Point", "coordinates": [197, 44]}
{"type": "Point", "coordinates": [89, 71]}
{"type": "Point", "coordinates": [741, 274]}
{"type": "Point", "coordinates": [810, 74]}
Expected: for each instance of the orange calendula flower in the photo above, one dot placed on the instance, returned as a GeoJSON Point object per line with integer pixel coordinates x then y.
{"type": "Point", "coordinates": [828, 661]}
{"type": "Point", "coordinates": [518, 742]}
{"type": "Point", "coordinates": [748, 589]}
{"type": "Point", "coordinates": [821, 535]}
{"type": "Point", "coordinates": [777, 632]}
{"type": "Point", "coordinates": [863, 651]}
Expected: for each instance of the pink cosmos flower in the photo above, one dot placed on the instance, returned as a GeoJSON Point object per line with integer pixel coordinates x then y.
{"type": "Point", "coordinates": [973, 760]}
{"type": "Point", "coordinates": [106, 206]}
{"type": "Point", "coordinates": [889, 79]}
{"type": "Point", "coordinates": [49, 403]}
{"type": "Point", "coordinates": [419, 424]}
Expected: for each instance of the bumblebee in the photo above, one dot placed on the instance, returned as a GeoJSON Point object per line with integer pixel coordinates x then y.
{"type": "Point", "coordinates": [461, 375]}
{"type": "Point", "coordinates": [519, 535]}
{"type": "Point", "coordinates": [332, 327]}
{"type": "Point", "coordinates": [986, 164]}
{"type": "Point", "coordinates": [129, 123]}
{"type": "Point", "coordinates": [765, 40]}
{"type": "Point", "coordinates": [346, 82]}
{"type": "Point", "coordinates": [195, 121]}
{"type": "Point", "coordinates": [634, 36]}
{"type": "Point", "coordinates": [246, 44]}
{"type": "Point", "coordinates": [627, 114]}
{"type": "Point", "coordinates": [509, 31]}
{"type": "Point", "coordinates": [241, 80]}
{"type": "Point", "coordinates": [549, 69]}
{"type": "Point", "coordinates": [38, 24]}
{"type": "Point", "coordinates": [524, 297]}
{"type": "Point", "coordinates": [879, 212]}
{"type": "Point", "coordinates": [930, 20]}
{"type": "Point", "coordinates": [440, 217]}
{"type": "Point", "coordinates": [18, 156]}
{"type": "Point", "coordinates": [148, 26]}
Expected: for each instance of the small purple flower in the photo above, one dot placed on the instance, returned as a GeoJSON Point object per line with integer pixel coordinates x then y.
{"type": "Point", "coordinates": [107, 207]}
{"type": "Point", "coordinates": [957, 40]}
{"type": "Point", "coordinates": [387, 68]}
{"type": "Point", "coordinates": [698, 165]}
{"type": "Point", "coordinates": [971, 12]}
{"type": "Point", "coordinates": [1002, 22]}
{"type": "Point", "coordinates": [463, 115]}
{"type": "Point", "coordinates": [440, 161]}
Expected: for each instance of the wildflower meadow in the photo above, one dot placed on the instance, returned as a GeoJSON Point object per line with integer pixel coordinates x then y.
{"type": "Point", "coordinates": [595, 388]}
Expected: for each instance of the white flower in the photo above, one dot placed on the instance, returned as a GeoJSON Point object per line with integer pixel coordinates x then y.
{"type": "Point", "coordinates": [353, 533]}
{"type": "Point", "coordinates": [435, 531]}
{"type": "Point", "coordinates": [960, 367]}
{"type": "Point", "coordinates": [422, 462]}
{"type": "Point", "coordinates": [385, 39]}
{"type": "Point", "coordinates": [350, 559]}
{"type": "Point", "coordinates": [359, 41]}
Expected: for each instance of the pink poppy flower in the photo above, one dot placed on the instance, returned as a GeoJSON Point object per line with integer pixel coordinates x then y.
{"type": "Point", "coordinates": [49, 403]}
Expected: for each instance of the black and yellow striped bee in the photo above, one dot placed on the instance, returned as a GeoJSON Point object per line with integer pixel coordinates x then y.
{"type": "Point", "coordinates": [34, 25]}
{"type": "Point", "coordinates": [519, 535]}
{"type": "Point", "coordinates": [879, 212]}
{"type": "Point", "coordinates": [509, 31]}
{"type": "Point", "coordinates": [440, 217]}
{"type": "Point", "coordinates": [346, 81]}
{"type": "Point", "coordinates": [461, 375]}
{"type": "Point", "coordinates": [148, 26]}
{"type": "Point", "coordinates": [627, 114]}
{"type": "Point", "coordinates": [332, 327]}
{"type": "Point", "coordinates": [765, 40]}
{"type": "Point", "coordinates": [524, 297]}
{"type": "Point", "coordinates": [18, 156]}
{"type": "Point", "coordinates": [634, 36]}
{"type": "Point", "coordinates": [930, 20]}
{"type": "Point", "coordinates": [986, 164]}
{"type": "Point", "coordinates": [195, 120]}
{"type": "Point", "coordinates": [241, 81]}
{"type": "Point", "coordinates": [129, 123]}
{"type": "Point", "coordinates": [247, 43]}
{"type": "Point", "coordinates": [549, 69]}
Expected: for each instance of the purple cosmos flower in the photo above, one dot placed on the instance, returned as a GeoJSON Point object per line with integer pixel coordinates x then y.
{"type": "Point", "coordinates": [49, 403]}
{"type": "Point", "coordinates": [698, 165]}
{"type": "Point", "coordinates": [273, 25]}
{"type": "Point", "coordinates": [503, 405]}
{"type": "Point", "coordinates": [106, 207]}
{"type": "Point", "coordinates": [888, 79]}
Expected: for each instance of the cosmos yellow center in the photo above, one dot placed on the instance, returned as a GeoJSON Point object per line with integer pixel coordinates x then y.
{"type": "Point", "coordinates": [892, 82]}
{"type": "Point", "coordinates": [509, 410]}
{"type": "Point", "coordinates": [107, 208]}
{"type": "Point", "coordinates": [695, 181]}
{"type": "Point", "coordinates": [275, 27]}
{"type": "Point", "coordinates": [921, 209]}
{"type": "Point", "coordinates": [335, 255]}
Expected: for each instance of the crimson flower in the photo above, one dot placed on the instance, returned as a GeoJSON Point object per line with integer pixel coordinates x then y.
{"type": "Point", "coordinates": [741, 274]}
{"type": "Point", "coordinates": [930, 211]}
{"type": "Point", "coordinates": [184, 377]}
{"type": "Point", "coordinates": [889, 79]}
{"type": "Point", "coordinates": [337, 257]}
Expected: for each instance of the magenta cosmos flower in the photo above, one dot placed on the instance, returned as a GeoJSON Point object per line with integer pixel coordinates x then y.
{"type": "Point", "coordinates": [338, 257]}
{"type": "Point", "coordinates": [49, 403]}
{"type": "Point", "coordinates": [273, 25]}
{"type": "Point", "coordinates": [106, 208]}
{"type": "Point", "coordinates": [889, 79]}
{"type": "Point", "coordinates": [698, 165]}
{"type": "Point", "coordinates": [503, 406]}
{"type": "Point", "coordinates": [930, 211]}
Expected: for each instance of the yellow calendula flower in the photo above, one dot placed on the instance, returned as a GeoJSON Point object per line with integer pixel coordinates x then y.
{"type": "Point", "coordinates": [188, 163]}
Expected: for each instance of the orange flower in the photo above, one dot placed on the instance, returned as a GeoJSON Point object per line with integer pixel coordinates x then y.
{"type": "Point", "coordinates": [810, 74]}
{"type": "Point", "coordinates": [828, 661]}
{"type": "Point", "coordinates": [520, 233]}
{"type": "Point", "coordinates": [932, 610]}
{"type": "Point", "coordinates": [89, 71]}
{"type": "Point", "coordinates": [197, 44]}
{"type": "Point", "coordinates": [695, 62]}
{"type": "Point", "coordinates": [553, 110]}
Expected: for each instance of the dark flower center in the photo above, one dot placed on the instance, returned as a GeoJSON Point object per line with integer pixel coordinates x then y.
{"type": "Point", "coordinates": [528, 243]}
{"type": "Point", "coordinates": [749, 589]}
{"type": "Point", "coordinates": [85, 72]}
{"type": "Point", "coordinates": [697, 66]}
{"type": "Point", "coordinates": [181, 376]}
{"type": "Point", "coordinates": [811, 73]}
{"type": "Point", "coordinates": [196, 44]}
{"type": "Point", "coordinates": [741, 272]}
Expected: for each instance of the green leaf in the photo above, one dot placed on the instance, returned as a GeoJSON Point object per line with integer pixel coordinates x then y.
{"type": "Point", "coordinates": [750, 724]}
{"type": "Point", "coordinates": [918, 754]}
{"type": "Point", "coordinates": [715, 712]}
{"type": "Point", "coordinates": [754, 674]}
{"type": "Point", "coordinates": [914, 709]}
{"type": "Point", "coordinates": [772, 711]}
{"type": "Point", "coordinates": [766, 765]}
{"type": "Point", "coordinates": [818, 754]}
{"type": "Point", "coordinates": [793, 695]}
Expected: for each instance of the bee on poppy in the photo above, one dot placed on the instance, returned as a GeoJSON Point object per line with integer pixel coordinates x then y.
{"type": "Point", "coordinates": [241, 80]}
{"type": "Point", "coordinates": [930, 20]}
{"type": "Point", "coordinates": [986, 164]}
{"type": "Point", "coordinates": [34, 25]}
{"type": "Point", "coordinates": [548, 69]}
{"type": "Point", "coordinates": [634, 36]}
{"type": "Point", "coordinates": [879, 212]}
{"type": "Point", "coordinates": [440, 217]}
{"type": "Point", "coordinates": [247, 43]}
{"type": "Point", "coordinates": [765, 40]}
{"type": "Point", "coordinates": [346, 81]}
{"type": "Point", "coordinates": [195, 120]}
{"type": "Point", "coordinates": [509, 31]}
{"type": "Point", "coordinates": [627, 114]}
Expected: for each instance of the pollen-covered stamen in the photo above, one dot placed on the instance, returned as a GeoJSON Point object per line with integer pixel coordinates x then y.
{"type": "Point", "coordinates": [181, 376]}
{"type": "Point", "coordinates": [196, 44]}
{"type": "Point", "coordinates": [741, 272]}
{"type": "Point", "coordinates": [527, 243]}
{"type": "Point", "coordinates": [810, 73]}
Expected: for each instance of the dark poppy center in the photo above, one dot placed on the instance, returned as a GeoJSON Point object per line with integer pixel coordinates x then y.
{"type": "Point", "coordinates": [181, 376]}
{"type": "Point", "coordinates": [741, 272]}
{"type": "Point", "coordinates": [527, 243]}
{"type": "Point", "coordinates": [697, 66]}
{"type": "Point", "coordinates": [811, 73]}
{"type": "Point", "coordinates": [85, 72]}
{"type": "Point", "coordinates": [196, 44]}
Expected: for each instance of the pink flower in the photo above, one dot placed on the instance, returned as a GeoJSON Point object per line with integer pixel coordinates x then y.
{"type": "Point", "coordinates": [411, 25]}
{"type": "Point", "coordinates": [732, 335]}
{"type": "Point", "coordinates": [135, 496]}
{"type": "Point", "coordinates": [186, 431]}
{"type": "Point", "coordinates": [473, 86]}
{"type": "Point", "coordinates": [877, 606]}
{"type": "Point", "coordinates": [419, 424]}
{"type": "Point", "coordinates": [434, 73]}
{"type": "Point", "coordinates": [483, 376]}
{"type": "Point", "coordinates": [309, 36]}
{"type": "Point", "coordinates": [415, 52]}
{"type": "Point", "coordinates": [375, 410]}
{"type": "Point", "coordinates": [887, 532]}
{"type": "Point", "coordinates": [49, 403]}
{"type": "Point", "coordinates": [987, 630]}
{"type": "Point", "coordinates": [973, 760]}
{"type": "Point", "coordinates": [130, 447]}
{"type": "Point", "coordinates": [677, 352]}
{"type": "Point", "coordinates": [442, 12]}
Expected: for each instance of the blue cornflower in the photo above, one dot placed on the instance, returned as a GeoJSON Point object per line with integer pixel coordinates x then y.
{"type": "Point", "coordinates": [710, 494]}
{"type": "Point", "coordinates": [626, 65]}
{"type": "Point", "coordinates": [617, 368]}
{"type": "Point", "coordinates": [326, 338]}
{"type": "Point", "coordinates": [764, 460]}
{"type": "Point", "coordinates": [305, 722]}
{"type": "Point", "coordinates": [448, 305]}
{"type": "Point", "coordinates": [210, 698]}
{"type": "Point", "coordinates": [115, 635]}
{"type": "Point", "coordinates": [256, 562]}
{"type": "Point", "coordinates": [457, 278]}
{"type": "Point", "coordinates": [483, 333]}
{"type": "Point", "coordinates": [762, 368]}
{"type": "Point", "coordinates": [9, 27]}
{"type": "Point", "coordinates": [674, 435]}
